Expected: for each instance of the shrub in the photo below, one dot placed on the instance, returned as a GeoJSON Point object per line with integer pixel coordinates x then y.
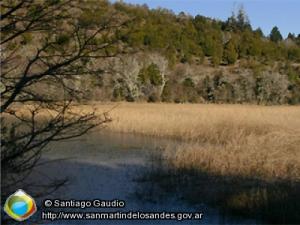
{"type": "Point", "coordinates": [151, 74]}
{"type": "Point", "coordinates": [166, 95]}
{"type": "Point", "coordinates": [118, 94]}
{"type": "Point", "coordinates": [188, 82]}
{"type": "Point", "coordinates": [153, 98]}
{"type": "Point", "coordinates": [230, 55]}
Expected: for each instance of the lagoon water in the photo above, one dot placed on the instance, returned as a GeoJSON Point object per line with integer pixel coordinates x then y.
{"type": "Point", "coordinates": [108, 166]}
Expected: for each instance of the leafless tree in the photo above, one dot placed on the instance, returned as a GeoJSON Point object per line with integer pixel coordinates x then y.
{"type": "Point", "coordinates": [48, 45]}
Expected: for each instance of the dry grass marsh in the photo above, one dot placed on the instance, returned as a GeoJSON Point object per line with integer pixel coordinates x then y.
{"type": "Point", "coordinates": [239, 158]}
{"type": "Point", "coordinates": [242, 140]}
{"type": "Point", "coordinates": [242, 159]}
{"type": "Point", "coordinates": [259, 141]}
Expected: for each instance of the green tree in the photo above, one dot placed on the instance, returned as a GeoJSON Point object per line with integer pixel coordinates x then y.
{"type": "Point", "coordinates": [150, 74]}
{"type": "Point", "coordinates": [230, 55]}
{"type": "Point", "coordinates": [259, 32]}
{"type": "Point", "coordinates": [275, 35]}
{"type": "Point", "coordinates": [294, 53]}
{"type": "Point", "coordinates": [298, 40]}
{"type": "Point", "coordinates": [242, 20]}
{"type": "Point", "coordinates": [291, 36]}
{"type": "Point", "coordinates": [237, 22]}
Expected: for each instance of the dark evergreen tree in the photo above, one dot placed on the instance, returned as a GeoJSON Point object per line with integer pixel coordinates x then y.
{"type": "Point", "coordinates": [275, 35]}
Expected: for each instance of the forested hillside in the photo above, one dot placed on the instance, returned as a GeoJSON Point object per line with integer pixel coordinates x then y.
{"type": "Point", "coordinates": [181, 58]}
{"type": "Point", "coordinates": [183, 38]}
{"type": "Point", "coordinates": [209, 60]}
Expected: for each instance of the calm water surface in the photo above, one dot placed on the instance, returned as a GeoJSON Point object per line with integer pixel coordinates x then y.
{"type": "Point", "coordinates": [107, 166]}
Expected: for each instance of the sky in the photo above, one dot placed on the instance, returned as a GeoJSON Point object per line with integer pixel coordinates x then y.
{"type": "Point", "coordinates": [285, 14]}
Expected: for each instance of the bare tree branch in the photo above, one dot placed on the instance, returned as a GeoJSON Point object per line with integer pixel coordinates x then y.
{"type": "Point", "coordinates": [49, 45]}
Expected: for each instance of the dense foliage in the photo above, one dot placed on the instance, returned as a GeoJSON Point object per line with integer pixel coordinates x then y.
{"type": "Point", "coordinates": [246, 65]}
{"type": "Point", "coordinates": [181, 58]}
{"type": "Point", "coordinates": [183, 38]}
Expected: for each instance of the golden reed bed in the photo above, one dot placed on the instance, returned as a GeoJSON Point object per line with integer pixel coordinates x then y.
{"type": "Point", "coordinates": [243, 140]}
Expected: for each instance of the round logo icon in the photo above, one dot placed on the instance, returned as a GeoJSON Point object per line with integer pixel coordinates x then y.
{"type": "Point", "coordinates": [20, 206]}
